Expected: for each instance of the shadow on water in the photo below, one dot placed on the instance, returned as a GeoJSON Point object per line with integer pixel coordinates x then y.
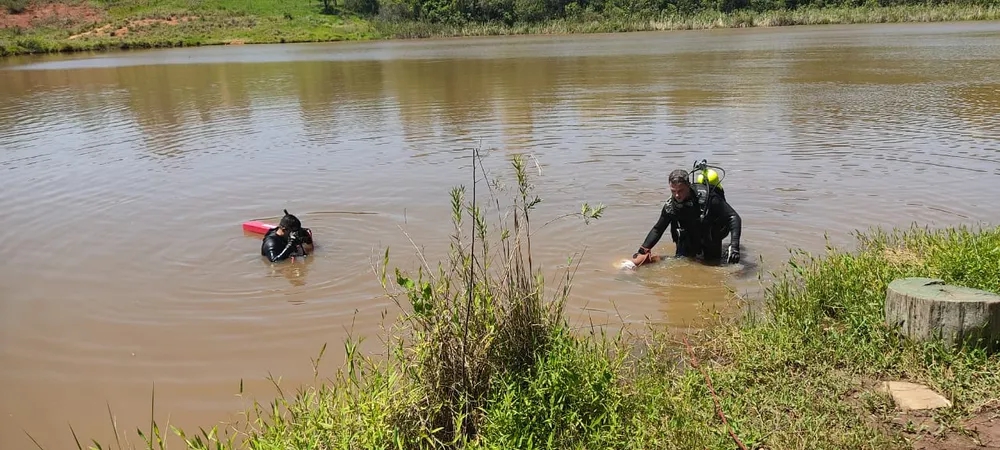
{"type": "Point", "coordinates": [294, 270]}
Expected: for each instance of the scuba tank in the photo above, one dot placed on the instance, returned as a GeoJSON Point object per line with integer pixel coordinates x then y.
{"type": "Point", "coordinates": [706, 181]}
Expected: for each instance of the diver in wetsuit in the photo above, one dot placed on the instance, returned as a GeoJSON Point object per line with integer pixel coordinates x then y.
{"type": "Point", "coordinates": [286, 240]}
{"type": "Point", "coordinates": [699, 219]}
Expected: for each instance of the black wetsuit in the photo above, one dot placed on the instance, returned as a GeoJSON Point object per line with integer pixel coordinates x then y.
{"type": "Point", "coordinates": [693, 234]}
{"type": "Point", "coordinates": [277, 247]}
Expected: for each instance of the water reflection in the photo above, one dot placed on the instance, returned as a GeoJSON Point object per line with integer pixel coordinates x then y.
{"type": "Point", "coordinates": [978, 105]}
{"type": "Point", "coordinates": [173, 104]}
{"type": "Point", "coordinates": [295, 271]}
{"type": "Point", "coordinates": [176, 105]}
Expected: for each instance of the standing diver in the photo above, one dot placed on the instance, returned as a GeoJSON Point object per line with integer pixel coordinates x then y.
{"type": "Point", "coordinates": [699, 218]}
{"type": "Point", "coordinates": [286, 240]}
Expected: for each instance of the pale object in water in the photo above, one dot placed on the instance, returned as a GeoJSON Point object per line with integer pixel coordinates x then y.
{"type": "Point", "coordinates": [626, 264]}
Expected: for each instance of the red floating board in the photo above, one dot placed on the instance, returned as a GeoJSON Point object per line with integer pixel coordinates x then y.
{"type": "Point", "coordinates": [254, 226]}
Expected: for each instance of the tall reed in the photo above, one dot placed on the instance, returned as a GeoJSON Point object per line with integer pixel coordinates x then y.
{"type": "Point", "coordinates": [481, 315]}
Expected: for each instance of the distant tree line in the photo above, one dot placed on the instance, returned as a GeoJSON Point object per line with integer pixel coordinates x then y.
{"type": "Point", "coordinates": [528, 11]}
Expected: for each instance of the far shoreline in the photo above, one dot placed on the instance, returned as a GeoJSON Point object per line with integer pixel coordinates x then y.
{"type": "Point", "coordinates": [22, 42]}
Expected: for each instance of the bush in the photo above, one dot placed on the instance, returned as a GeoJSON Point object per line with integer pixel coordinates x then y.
{"type": "Point", "coordinates": [14, 6]}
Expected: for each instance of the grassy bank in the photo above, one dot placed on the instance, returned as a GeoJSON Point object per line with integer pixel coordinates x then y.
{"type": "Point", "coordinates": [45, 26]}
{"type": "Point", "coordinates": [76, 25]}
{"type": "Point", "coordinates": [662, 21]}
{"type": "Point", "coordinates": [483, 357]}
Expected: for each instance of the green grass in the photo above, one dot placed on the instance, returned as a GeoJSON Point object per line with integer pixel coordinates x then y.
{"type": "Point", "coordinates": [663, 21]}
{"type": "Point", "coordinates": [501, 368]}
{"type": "Point", "coordinates": [286, 21]}
{"type": "Point", "coordinates": [211, 22]}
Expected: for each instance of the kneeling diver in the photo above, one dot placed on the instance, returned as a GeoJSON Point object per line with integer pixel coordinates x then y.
{"type": "Point", "coordinates": [699, 217]}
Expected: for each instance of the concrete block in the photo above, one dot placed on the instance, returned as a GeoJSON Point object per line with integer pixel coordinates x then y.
{"type": "Point", "coordinates": [912, 396]}
{"type": "Point", "coordinates": [927, 308]}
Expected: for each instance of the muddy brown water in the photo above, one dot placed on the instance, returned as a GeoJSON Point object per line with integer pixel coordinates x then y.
{"type": "Point", "coordinates": [125, 177]}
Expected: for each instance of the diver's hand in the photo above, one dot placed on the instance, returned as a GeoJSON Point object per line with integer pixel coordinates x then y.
{"type": "Point", "coordinates": [641, 257]}
{"type": "Point", "coordinates": [733, 253]}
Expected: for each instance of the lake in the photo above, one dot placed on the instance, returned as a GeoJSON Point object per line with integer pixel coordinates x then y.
{"type": "Point", "coordinates": [126, 176]}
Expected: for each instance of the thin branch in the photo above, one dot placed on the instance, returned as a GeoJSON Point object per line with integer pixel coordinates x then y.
{"type": "Point", "coordinates": [555, 219]}
{"type": "Point", "coordinates": [468, 305]}
{"type": "Point", "coordinates": [715, 397]}
{"type": "Point", "coordinates": [537, 165]}
{"type": "Point", "coordinates": [420, 253]}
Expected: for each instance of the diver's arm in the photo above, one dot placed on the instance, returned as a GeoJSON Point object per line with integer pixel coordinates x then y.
{"type": "Point", "coordinates": [735, 221]}
{"type": "Point", "coordinates": [275, 255]}
{"type": "Point", "coordinates": [654, 235]}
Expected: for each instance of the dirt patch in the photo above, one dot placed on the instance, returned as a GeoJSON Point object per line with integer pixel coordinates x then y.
{"type": "Point", "coordinates": [131, 26]}
{"type": "Point", "coordinates": [41, 14]}
{"type": "Point", "coordinates": [920, 428]}
{"type": "Point", "coordinates": [980, 432]}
